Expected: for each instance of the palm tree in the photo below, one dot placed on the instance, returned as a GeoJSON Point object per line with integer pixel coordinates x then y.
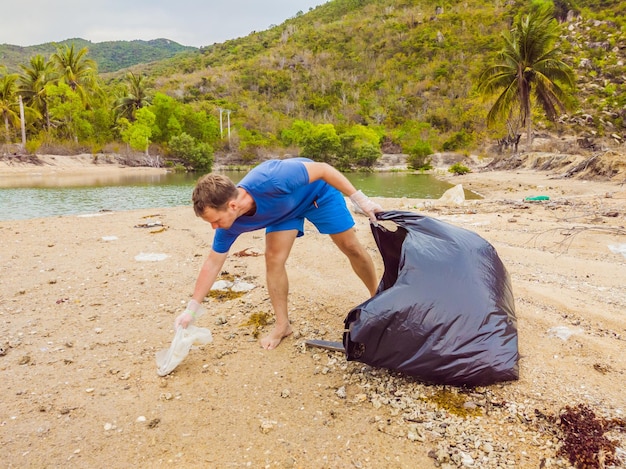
{"type": "Point", "coordinates": [78, 71]}
{"type": "Point", "coordinates": [528, 65]}
{"type": "Point", "coordinates": [9, 105]}
{"type": "Point", "coordinates": [137, 97]}
{"type": "Point", "coordinates": [32, 84]}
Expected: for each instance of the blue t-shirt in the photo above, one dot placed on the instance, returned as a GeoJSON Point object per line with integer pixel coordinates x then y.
{"type": "Point", "coordinates": [281, 191]}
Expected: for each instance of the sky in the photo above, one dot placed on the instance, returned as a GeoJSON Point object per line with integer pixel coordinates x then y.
{"type": "Point", "coordinates": [189, 22]}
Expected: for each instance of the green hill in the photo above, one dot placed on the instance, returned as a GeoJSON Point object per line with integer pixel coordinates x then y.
{"type": "Point", "coordinates": [110, 55]}
{"type": "Point", "coordinates": [405, 65]}
{"type": "Point", "coordinates": [395, 74]}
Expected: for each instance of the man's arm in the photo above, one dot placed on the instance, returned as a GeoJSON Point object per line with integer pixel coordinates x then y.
{"type": "Point", "coordinates": [208, 273]}
{"type": "Point", "coordinates": [333, 177]}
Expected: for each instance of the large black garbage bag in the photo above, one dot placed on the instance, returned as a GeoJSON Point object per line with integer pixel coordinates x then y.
{"type": "Point", "coordinates": [444, 310]}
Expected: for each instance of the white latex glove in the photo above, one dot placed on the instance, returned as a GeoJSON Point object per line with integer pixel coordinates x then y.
{"type": "Point", "coordinates": [193, 311]}
{"type": "Point", "coordinates": [366, 206]}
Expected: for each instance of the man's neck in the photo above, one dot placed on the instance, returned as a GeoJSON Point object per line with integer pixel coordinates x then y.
{"type": "Point", "coordinates": [246, 203]}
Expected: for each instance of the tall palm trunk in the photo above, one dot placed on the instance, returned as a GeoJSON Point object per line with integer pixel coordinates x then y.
{"type": "Point", "coordinates": [6, 127]}
{"type": "Point", "coordinates": [47, 114]}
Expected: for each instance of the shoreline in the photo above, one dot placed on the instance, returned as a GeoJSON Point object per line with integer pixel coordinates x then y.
{"type": "Point", "coordinates": [71, 168]}
{"type": "Point", "coordinates": [519, 182]}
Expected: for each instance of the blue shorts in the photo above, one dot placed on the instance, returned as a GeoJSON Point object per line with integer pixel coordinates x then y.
{"type": "Point", "coordinates": [329, 214]}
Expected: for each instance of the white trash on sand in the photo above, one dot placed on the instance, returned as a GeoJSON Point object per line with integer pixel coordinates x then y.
{"type": "Point", "coordinates": [222, 285]}
{"type": "Point", "coordinates": [618, 249]}
{"type": "Point", "coordinates": [150, 257]}
{"type": "Point", "coordinates": [563, 332]}
{"type": "Point", "coordinates": [168, 359]}
{"type": "Point", "coordinates": [240, 286]}
{"type": "Point", "coordinates": [237, 286]}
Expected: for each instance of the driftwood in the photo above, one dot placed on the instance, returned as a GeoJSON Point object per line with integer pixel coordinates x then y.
{"type": "Point", "coordinates": [570, 233]}
{"type": "Point", "coordinates": [586, 143]}
{"type": "Point", "coordinates": [246, 253]}
{"type": "Point", "coordinates": [152, 161]}
{"type": "Point", "coordinates": [582, 166]}
{"type": "Point", "coordinates": [509, 141]}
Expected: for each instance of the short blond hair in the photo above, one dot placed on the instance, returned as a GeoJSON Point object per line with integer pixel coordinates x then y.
{"type": "Point", "coordinates": [213, 191]}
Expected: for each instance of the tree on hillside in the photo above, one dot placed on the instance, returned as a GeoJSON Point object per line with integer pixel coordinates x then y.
{"type": "Point", "coordinates": [138, 134]}
{"type": "Point", "coordinates": [136, 98]}
{"type": "Point", "coordinates": [78, 71]}
{"type": "Point", "coordinates": [528, 65]}
{"type": "Point", "coordinates": [66, 112]}
{"type": "Point", "coordinates": [32, 84]}
{"type": "Point", "coordinates": [9, 106]}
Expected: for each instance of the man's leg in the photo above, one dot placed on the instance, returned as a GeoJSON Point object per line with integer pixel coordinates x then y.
{"type": "Point", "coordinates": [360, 260]}
{"type": "Point", "coordinates": [277, 248]}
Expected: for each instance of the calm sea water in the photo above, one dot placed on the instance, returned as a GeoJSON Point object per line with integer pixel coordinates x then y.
{"type": "Point", "coordinates": [48, 196]}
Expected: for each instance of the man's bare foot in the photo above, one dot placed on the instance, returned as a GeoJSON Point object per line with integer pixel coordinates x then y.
{"type": "Point", "coordinates": [273, 339]}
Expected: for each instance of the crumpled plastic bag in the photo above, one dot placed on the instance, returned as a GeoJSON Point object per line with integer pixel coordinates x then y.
{"type": "Point", "coordinates": [444, 310]}
{"type": "Point", "coordinates": [168, 359]}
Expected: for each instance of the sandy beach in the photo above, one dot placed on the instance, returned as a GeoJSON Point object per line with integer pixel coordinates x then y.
{"type": "Point", "coordinates": [87, 301]}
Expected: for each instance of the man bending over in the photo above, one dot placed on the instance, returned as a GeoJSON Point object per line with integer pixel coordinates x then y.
{"type": "Point", "coordinates": [278, 195]}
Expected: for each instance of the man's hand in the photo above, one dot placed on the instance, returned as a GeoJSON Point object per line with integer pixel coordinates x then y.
{"type": "Point", "coordinates": [365, 205]}
{"type": "Point", "coordinates": [183, 319]}
{"type": "Point", "coordinates": [194, 310]}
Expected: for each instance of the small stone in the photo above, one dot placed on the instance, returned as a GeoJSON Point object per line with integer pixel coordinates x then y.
{"type": "Point", "coordinates": [267, 426]}
{"type": "Point", "coordinates": [25, 360]}
{"type": "Point", "coordinates": [441, 455]}
{"type": "Point", "coordinates": [466, 459]}
{"type": "Point", "coordinates": [154, 423]}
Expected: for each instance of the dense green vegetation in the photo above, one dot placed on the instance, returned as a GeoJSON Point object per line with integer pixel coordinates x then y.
{"type": "Point", "coordinates": [342, 83]}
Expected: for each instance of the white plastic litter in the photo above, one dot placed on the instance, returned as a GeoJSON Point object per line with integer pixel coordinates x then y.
{"type": "Point", "coordinates": [109, 238]}
{"type": "Point", "coordinates": [222, 285]}
{"type": "Point", "coordinates": [242, 287]}
{"type": "Point", "coordinates": [618, 249]}
{"type": "Point", "coordinates": [90, 215]}
{"type": "Point", "coordinates": [237, 286]}
{"type": "Point", "coordinates": [150, 257]}
{"type": "Point", "coordinates": [563, 332]}
{"type": "Point", "coordinates": [168, 359]}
